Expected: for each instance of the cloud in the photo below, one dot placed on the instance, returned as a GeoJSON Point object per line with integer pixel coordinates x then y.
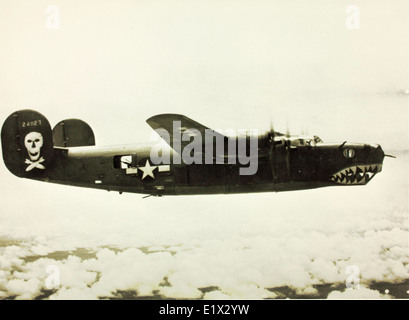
{"type": "Point", "coordinates": [74, 294]}
{"type": "Point", "coordinates": [361, 293]}
{"type": "Point", "coordinates": [23, 289]}
{"type": "Point", "coordinates": [181, 291]}
{"type": "Point", "coordinates": [232, 247]}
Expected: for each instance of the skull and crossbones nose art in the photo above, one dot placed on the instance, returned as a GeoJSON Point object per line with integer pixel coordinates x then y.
{"type": "Point", "coordinates": [33, 143]}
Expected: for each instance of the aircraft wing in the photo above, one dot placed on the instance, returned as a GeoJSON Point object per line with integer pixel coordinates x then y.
{"type": "Point", "coordinates": [176, 125]}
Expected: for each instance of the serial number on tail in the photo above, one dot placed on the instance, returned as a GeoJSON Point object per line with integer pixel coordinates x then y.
{"type": "Point", "coordinates": [33, 123]}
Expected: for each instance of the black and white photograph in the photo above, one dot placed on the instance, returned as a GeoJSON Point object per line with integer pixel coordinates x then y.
{"type": "Point", "coordinates": [229, 150]}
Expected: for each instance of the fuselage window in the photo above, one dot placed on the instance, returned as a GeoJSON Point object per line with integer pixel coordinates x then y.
{"type": "Point", "coordinates": [122, 162]}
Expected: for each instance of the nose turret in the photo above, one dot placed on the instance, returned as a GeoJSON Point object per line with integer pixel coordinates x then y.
{"type": "Point", "coordinates": [364, 162]}
{"type": "Point", "coordinates": [377, 153]}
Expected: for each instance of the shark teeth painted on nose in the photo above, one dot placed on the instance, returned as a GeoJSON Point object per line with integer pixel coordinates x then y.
{"type": "Point", "coordinates": [359, 174]}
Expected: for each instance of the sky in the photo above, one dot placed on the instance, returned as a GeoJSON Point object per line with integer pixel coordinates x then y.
{"type": "Point", "coordinates": [226, 64]}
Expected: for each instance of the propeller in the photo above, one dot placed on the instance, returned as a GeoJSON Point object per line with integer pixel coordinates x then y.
{"type": "Point", "coordinates": [287, 132]}
{"type": "Point", "coordinates": [304, 131]}
{"type": "Point", "coordinates": [287, 148]}
{"type": "Point", "coordinates": [271, 132]}
{"type": "Point", "coordinates": [271, 147]}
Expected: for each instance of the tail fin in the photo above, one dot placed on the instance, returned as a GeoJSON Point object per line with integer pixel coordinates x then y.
{"type": "Point", "coordinates": [27, 144]}
{"type": "Point", "coordinates": [73, 133]}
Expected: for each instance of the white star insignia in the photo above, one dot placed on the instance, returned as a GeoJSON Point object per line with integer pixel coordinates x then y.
{"type": "Point", "coordinates": [148, 170]}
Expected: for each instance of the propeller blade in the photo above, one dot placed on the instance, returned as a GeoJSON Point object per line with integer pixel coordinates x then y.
{"type": "Point", "coordinates": [272, 132]}
{"type": "Point", "coordinates": [287, 133]}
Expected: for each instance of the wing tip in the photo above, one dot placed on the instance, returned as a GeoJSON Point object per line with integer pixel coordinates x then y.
{"type": "Point", "coordinates": [165, 115]}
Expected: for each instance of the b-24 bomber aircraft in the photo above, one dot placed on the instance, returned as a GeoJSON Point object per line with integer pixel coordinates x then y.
{"type": "Point", "coordinates": [194, 160]}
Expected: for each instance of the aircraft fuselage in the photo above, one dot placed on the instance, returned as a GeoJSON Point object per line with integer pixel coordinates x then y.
{"type": "Point", "coordinates": [67, 155]}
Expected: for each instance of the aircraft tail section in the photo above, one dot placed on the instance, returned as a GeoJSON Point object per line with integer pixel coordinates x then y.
{"type": "Point", "coordinates": [73, 133]}
{"type": "Point", "coordinates": [27, 144]}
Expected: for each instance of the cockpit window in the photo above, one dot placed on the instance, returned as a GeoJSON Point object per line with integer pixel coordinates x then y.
{"type": "Point", "coordinates": [310, 143]}
{"type": "Point", "coordinates": [305, 141]}
{"type": "Point", "coordinates": [317, 140]}
{"type": "Point", "coordinates": [313, 142]}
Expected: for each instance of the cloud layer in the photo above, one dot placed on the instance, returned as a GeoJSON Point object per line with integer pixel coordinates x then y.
{"type": "Point", "coordinates": [218, 247]}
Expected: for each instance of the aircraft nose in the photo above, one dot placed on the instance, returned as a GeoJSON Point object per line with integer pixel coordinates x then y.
{"type": "Point", "coordinates": [377, 153]}
{"type": "Point", "coordinates": [363, 162]}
